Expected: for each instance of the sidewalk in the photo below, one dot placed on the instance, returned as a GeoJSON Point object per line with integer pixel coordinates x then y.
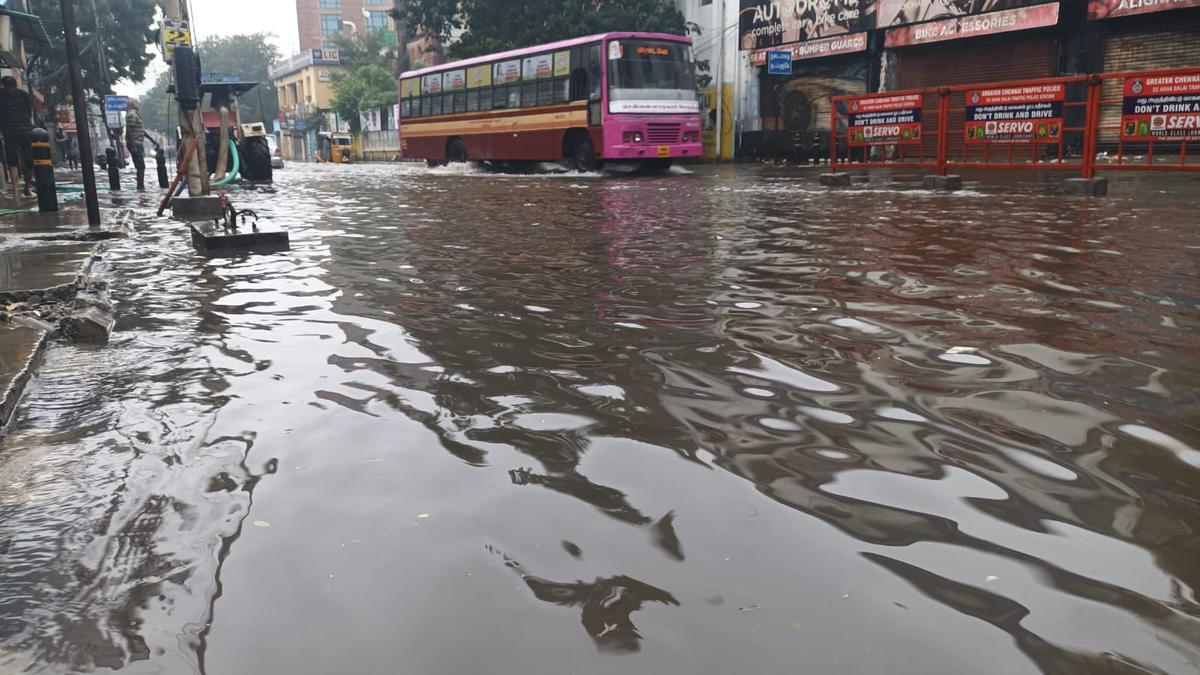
{"type": "Point", "coordinates": [45, 258]}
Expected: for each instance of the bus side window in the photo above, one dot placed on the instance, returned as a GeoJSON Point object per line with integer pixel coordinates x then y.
{"type": "Point", "coordinates": [529, 94]}
{"type": "Point", "coordinates": [500, 97]}
{"type": "Point", "coordinates": [426, 106]}
{"type": "Point", "coordinates": [514, 96]}
{"type": "Point", "coordinates": [594, 72]}
{"type": "Point", "coordinates": [460, 102]}
{"type": "Point", "coordinates": [472, 101]}
{"type": "Point", "coordinates": [562, 90]}
{"type": "Point", "coordinates": [579, 84]}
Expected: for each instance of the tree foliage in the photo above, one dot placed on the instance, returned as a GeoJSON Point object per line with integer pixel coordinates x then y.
{"type": "Point", "coordinates": [247, 57]}
{"type": "Point", "coordinates": [371, 82]}
{"type": "Point", "coordinates": [125, 30]}
{"type": "Point", "coordinates": [496, 25]}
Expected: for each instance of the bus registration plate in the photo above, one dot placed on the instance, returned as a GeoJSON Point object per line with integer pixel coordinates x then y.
{"type": "Point", "coordinates": [664, 151]}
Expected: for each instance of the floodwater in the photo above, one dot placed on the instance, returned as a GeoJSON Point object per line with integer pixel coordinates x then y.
{"type": "Point", "coordinates": [721, 421]}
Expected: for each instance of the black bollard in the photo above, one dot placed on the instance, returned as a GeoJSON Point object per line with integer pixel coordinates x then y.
{"type": "Point", "coordinates": [160, 158]}
{"type": "Point", "coordinates": [114, 173]}
{"type": "Point", "coordinates": [43, 171]}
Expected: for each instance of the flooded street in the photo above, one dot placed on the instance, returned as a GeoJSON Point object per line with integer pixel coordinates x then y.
{"type": "Point", "coordinates": [722, 421]}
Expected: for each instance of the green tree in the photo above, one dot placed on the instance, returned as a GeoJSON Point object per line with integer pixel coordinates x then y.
{"type": "Point", "coordinates": [368, 86]}
{"type": "Point", "coordinates": [496, 25]}
{"type": "Point", "coordinates": [246, 57]}
{"type": "Point", "coordinates": [125, 31]}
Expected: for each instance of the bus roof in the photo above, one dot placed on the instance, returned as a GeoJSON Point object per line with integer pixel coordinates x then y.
{"type": "Point", "coordinates": [537, 49]}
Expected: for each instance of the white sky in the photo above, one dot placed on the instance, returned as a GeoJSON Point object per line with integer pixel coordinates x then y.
{"type": "Point", "coordinates": [217, 18]}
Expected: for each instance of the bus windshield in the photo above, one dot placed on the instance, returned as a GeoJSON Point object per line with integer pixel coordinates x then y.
{"type": "Point", "coordinates": [651, 76]}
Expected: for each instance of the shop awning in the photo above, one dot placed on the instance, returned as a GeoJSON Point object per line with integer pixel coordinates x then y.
{"type": "Point", "coordinates": [27, 27]}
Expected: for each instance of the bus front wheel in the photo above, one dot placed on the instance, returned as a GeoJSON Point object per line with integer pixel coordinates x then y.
{"type": "Point", "coordinates": [583, 155]}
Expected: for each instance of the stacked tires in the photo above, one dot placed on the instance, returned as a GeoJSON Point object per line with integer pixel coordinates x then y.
{"type": "Point", "coordinates": [255, 156]}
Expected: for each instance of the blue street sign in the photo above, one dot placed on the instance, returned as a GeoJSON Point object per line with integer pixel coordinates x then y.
{"type": "Point", "coordinates": [779, 63]}
{"type": "Point", "coordinates": [116, 103]}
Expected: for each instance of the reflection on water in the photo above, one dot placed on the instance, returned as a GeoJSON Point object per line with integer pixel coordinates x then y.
{"type": "Point", "coordinates": [875, 430]}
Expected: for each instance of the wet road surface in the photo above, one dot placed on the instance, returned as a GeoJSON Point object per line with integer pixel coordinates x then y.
{"type": "Point", "coordinates": [714, 422]}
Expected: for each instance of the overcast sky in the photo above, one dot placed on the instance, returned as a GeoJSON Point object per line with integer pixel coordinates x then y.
{"type": "Point", "coordinates": [213, 18]}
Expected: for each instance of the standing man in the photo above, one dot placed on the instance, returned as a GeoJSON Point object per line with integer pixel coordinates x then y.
{"type": "Point", "coordinates": [16, 123]}
{"type": "Point", "coordinates": [135, 140]}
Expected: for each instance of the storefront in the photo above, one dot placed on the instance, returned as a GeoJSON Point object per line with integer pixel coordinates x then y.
{"type": "Point", "coordinates": [1019, 41]}
{"type": "Point", "coordinates": [829, 46]}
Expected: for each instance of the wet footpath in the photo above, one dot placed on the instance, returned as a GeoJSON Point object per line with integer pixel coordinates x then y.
{"type": "Point", "coordinates": [718, 421]}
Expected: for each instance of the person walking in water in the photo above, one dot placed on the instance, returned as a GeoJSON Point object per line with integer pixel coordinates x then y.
{"type": "Point", "coordinates": [16, 123]}
{"type": "Point", "coordinates": [135, 140]}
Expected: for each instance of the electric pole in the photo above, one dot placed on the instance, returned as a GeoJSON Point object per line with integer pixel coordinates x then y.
{"type": "Point", "coordinates": [191, 122]}
{"type": "Point", "coordinates": [82, 126]}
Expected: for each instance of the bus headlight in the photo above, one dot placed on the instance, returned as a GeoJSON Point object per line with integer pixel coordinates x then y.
{"type": "Point", "coordinates": [691, 137]}
{"type": "Point", "coordinates": [632, 137]}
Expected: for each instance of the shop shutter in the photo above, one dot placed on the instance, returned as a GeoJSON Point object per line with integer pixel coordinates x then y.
{"type": "Point", "coordinates": [1143, 49]}
{"type": "Point", "coordinates": [973, 61]}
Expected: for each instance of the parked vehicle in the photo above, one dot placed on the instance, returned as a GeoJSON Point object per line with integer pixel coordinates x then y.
{"type": "Point", "coordinates": [334, 147]}
{"type": "Point", "coordinates": [276, 155]}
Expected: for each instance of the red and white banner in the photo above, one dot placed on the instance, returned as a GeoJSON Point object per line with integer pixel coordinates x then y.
{"type": "Point", "coordinates": [1165, 108]}
{"type": "Point", "coordinates": [815, 49]}
{"type": "Point", "coordinates": [1005, 21]}
{"type": "Point", "coordinates": [1031, 113]}
{"type": "Point", "coordinates": [1107, 9]}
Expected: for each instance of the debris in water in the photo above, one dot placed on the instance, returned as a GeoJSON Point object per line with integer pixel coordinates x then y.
{"type": "Point", "coordinates": [961, 350]}
{"type": "Point", "coordinates": [422, 516]}
{"type": "Point", "coordinates": [749, 608]}
{"type": "Point", "coordinates": [608, 628]}
{"type": "Point", "coordinates": [261, 523]}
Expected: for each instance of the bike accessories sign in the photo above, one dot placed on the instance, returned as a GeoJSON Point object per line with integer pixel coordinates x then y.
{"type": "Point", "coordinates": [1165, 108]}
{"type": "Point", "coordinates": [1026, 114]}
{"type": "Point", "coordinates": [885, 120]}
{"type": "Point", "coordinates": [1006, 21]}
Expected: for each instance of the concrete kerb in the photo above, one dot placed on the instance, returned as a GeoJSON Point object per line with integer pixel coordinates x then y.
{"type": "Point", "coordinates": [946, 183]}
{"type": "Point", "coordinates": [835, 179]}
{"type": "Point", "coordinates": [1090, 187]}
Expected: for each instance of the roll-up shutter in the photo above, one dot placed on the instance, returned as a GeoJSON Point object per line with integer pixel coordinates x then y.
{"type": "Point", "coordinates": [1027, 56]}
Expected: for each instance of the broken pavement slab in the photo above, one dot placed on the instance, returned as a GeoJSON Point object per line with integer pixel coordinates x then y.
{"type": "Point", "coordinates": [43, 271]}
{"type": "Point", "coordinates": [20, 348]}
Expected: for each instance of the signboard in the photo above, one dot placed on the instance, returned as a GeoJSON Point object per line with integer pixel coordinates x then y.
{"type": "Point", "coordinates": [507, 71]}
{"type": "Point", "coordinates": [410, 88]}
{"type": "Point", "coordinates": [1025, 114]}
{"type": "Point", "coordinates": [116, 103]}
{"type": "Point", "coordinates": [903, 12]}
{"type": "Point", "coordinates": [326, 57]}
{"type": "Point", "coordinates": [1107, 9]}
{"type": "Point", "coordinates": [562, 64]}
{"type": "Point", "coordinates": [767, 23]}
{"type": "Point", "coordinates": [479, 76]}
{"type": "Point", "coordinates": [779, 62]}
{"type": "Point", "coordinates": [324, 76]}
{"type": "Point", "coordinates": [815, 49]}
{"type": "Point", "coordinates": [972, 26]}
{"type": "Point", "coordinates": [174, 34]}
{"type": "Point", "coordinates": [1164, 108]}
{"type": "Point", "coordinates": [885, 120]}
{"type": "Point", "coordinates": [112, 118]}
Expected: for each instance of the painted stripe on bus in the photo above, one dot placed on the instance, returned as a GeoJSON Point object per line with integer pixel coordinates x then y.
{"type": "Point", "coordinates": [498, 113]}
{"type": "Point", "coordinates": [537, 122]}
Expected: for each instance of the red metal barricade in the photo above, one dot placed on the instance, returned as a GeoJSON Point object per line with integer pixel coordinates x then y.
{"type": "Point", "coordinates": [1129, 121]}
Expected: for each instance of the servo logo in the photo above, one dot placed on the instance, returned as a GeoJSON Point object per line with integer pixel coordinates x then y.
{"type": "Point", "coordinates": [1137, 87]}
{"type": "Point", "coordinates": [975, 98]}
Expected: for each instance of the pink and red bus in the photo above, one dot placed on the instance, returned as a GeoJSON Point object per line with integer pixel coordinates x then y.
{"type": "Point", "coordinates": [615, 97]}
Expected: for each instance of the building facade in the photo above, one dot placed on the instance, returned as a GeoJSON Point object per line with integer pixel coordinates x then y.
{"type": "Point", "coordinates": [856, 46]}
{"type": "Point", "coordinates": [320, 21]}
{"type": "Point", "coordinates": [304, 88]}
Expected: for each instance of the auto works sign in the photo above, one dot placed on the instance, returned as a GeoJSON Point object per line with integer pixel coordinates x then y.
{"type": "Point", "coordinates": [885, 120]}
{"type": "Point", "coordinates": [1161, 108]}
{"type": "Point", "coordinates": [767, 23]}
{"type": "Point", "coordinates": [1027, 114]}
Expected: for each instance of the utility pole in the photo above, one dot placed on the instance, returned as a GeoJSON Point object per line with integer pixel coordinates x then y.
{"type": "Point", "coordinates": [82, 125]}
{"type": "Point", "coordinates": [719, 23]}
{"type": "Point", "coordinates": [191, 122]}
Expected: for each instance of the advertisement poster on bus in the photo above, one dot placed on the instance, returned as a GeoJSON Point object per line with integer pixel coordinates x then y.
{"type": "Point", "coordinates": [479, 76]}
{"type": "Point", "coordinates": [1107, 9]}
{"type": "Point", "coordinates": [1026, 114]}
{"type": "Point", "coordinates": [1162, 108]}
{"type": "Point", "coordinates": [562, 64]}
{"type": "Point", "coordinates": [885, 120]}
{"type": "Point", "coordinates": [454, 80]}
{"type": "Point", "coordinates": [507, 71]}
{"type": "Point", "coordinates": [537, 67]}
{"type": "Point", "coordinates": [768, 23]}
{"type": "Point", "coordinates": [431, 84]}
